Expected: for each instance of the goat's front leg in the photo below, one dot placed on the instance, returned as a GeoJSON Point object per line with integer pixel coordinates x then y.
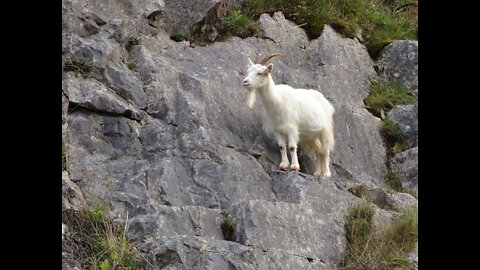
{"type": "Point", "coordinates": [292, 143]}
{"type": "Point", "coordinates": [283, 150]}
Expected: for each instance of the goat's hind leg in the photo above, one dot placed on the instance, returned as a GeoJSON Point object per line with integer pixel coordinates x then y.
{"type": "Point", "coordinates": [326, 160]}
{"type": "Point", "coordinates": [320, 164]}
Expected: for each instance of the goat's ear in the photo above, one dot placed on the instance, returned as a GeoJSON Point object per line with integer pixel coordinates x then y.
{"type": "Point", "coordinates": [269, 67]}
{"type": "Point", "coordinates": [250, 61]}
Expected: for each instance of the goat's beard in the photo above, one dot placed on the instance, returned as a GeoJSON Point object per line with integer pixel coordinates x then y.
{"type": "Point", "coordinates": [250, 98]}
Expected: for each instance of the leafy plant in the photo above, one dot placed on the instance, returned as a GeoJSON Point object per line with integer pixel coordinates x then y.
{"type": "Point", "coordinates": [395, 139]}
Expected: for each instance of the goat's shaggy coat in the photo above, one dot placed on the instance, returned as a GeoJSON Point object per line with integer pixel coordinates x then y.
{"type": "Point", "coordinates": [302, 116]}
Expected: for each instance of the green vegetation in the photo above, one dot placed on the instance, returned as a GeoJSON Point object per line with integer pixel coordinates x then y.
{"type": "Point", "coordinates": [380, 21]}
{"type": "Point", "coordinates": [178, 36]}
{"type": "Point", "coordinates": [228, 226]}
{"type": "Point", "coordinates": [385, 96]}
{"type": "Point", "coordinates": [374, 249]}
{"type": "Point", "coordinates": [394, 138]}
{"type": "Point", "coordinates": [133, 41]}
{"type": "Point", "coordinates": [392, 180]}
{"type": "Point", "coordinates": [240, 25]}
{"type": "Point", "coordinates": [102, 242]}
{"type": "Point", "coordinates": [132, 65]}
{"type": "Point", "coordinates": [64, 158]}
{"type": "Point", "coordinates": [78, 65]}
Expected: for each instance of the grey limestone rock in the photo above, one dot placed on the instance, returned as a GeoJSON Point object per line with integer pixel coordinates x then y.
{"type": "Point", "coordinates": [398, 61]}
{"type": "Point", "coordinates": [173, 143]}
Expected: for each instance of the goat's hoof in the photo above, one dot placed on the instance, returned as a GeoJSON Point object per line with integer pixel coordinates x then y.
{"type": "Point", "coordinates": [318, 174]}
{"type": "Point", "coordinates": [328, 174]}
{"type": "Point", "coordinates": [295, 167]}
{"type": "Point", "coordinates": [283, 166]}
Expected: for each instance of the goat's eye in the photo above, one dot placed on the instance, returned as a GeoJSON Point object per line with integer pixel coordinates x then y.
{"type": "Point", "coordinates": [259, 73]}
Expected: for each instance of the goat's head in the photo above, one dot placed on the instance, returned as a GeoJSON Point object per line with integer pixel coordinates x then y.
{"type": "Point", "coordinates": [257, 76]}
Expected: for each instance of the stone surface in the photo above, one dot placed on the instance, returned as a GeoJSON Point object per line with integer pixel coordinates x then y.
{"type": "Point", "coordinates": [172, 143]}
{"type": "Point", "coordinates": [398, 62]}
{"type": "Point", "coordinates": [406, 117]}
{"type": "Point", "coordinates": [405, 165]}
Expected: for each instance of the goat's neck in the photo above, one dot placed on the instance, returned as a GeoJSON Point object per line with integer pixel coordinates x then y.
{"type": "Point", "coordinates": [270, 98]}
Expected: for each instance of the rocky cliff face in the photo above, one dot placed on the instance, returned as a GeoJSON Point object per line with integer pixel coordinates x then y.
{"type": "Point", "coordinates": [160, 130]}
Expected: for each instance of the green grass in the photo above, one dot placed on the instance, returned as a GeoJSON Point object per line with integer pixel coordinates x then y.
{"type": "Point", "coordinates": [78, 65]}
{"type": "Point", "coordinates": [240, 25]}
{"type": "Point", "coordinates": [102, 241]}
{"type": "Point", "coordinates": [370, 248]}
{"type": "Point", "coordinates": [228, 226]}
{"type": "Point", "coordinates": [394, 138]}
{"type": "Point", "coordinates": [393, 181]}
{"type": "Point", "coordinates": [381, 21]}
{"type": "Point", "coordinates": [385, 96]}
{"type": "Point", "coordinates": [178, 36]}
{"type": "Point", "coordinates": [132, 65]}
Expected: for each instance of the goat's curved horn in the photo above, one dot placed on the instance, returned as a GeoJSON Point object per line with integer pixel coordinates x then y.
{"type": "Point", "coordinates": [258, 58]}
{"type": "Point", "coordinates": [264, 60]}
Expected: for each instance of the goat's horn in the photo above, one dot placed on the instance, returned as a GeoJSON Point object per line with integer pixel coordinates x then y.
{"type": "Point", "coordinates": [258, 58]}
{"type": "Point", "coordinates": [264, 60]}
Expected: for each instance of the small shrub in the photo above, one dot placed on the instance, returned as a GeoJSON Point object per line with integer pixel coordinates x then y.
{"type": "Point", "coordinates": [78, 65]}
{"type": "Point", "coordinates": [102, 240]}
{"type": "Point", "coordinates": [228, 226]}
{"type": "Point", "coordinates": [240, 25]}
{"type": "Point", "coordinates": [385, 96]}
{"type": "Point", "coordinates": [178, 36]}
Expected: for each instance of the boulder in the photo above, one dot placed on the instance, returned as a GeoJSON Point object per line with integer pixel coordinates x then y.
{"type": "Point", "coordinates": [405, 165]}
{"type": "Point", "coordinates": [398, 62]}
{"type": "Point", "coordinates": [406, 117]}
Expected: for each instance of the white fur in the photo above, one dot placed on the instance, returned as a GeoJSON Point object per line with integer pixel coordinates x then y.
{"type": "Point", "coordinates": [302, 116]}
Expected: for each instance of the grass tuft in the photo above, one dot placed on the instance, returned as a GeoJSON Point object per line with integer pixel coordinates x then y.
{"type": "Point", "coordinates": [102, 241]}
{"type": "Point", "coordinates": [78, 65]}
{"type": "Point", "coordinates": [395, 139]}
{"type": "Point", "coordinates": [385, 96]}
{"type": "Point", "coordinates": [238, 24]}
{"type": "Point", "coordinates": [228, 226]}
{"type": "Point", "coordinates": [374, 249]}
{"type": "Point", "coordinates": [380, 21]}
{"type": "Point", "coordinates": [178, 36]}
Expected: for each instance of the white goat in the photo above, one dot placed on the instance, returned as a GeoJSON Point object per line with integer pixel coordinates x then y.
{"type": "Point", "coordinates": [302, 116]}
